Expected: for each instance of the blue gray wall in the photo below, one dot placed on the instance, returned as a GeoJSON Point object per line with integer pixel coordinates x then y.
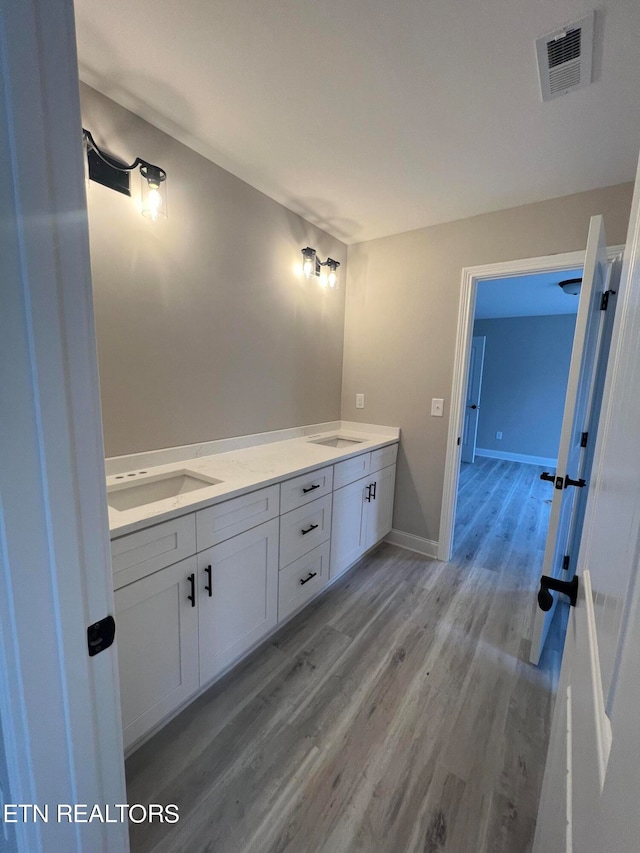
{"type": "Point", "coordinates": [526, 367]}
{"type": "Point", "coordinates": [8, 840]}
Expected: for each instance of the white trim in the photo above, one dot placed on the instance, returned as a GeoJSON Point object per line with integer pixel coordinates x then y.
{"type": "Point", "coordinates": [413, 543]}
{"type": "Point", "coordinates": [517, 457]}
{"type": "Point", "coordinates": [59, 708]}
{"type": "Point", "coordinates": [470, 278]}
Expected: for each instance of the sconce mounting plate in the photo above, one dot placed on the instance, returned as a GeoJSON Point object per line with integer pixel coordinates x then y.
{"type": "Point", "coordinates": [108, 176]}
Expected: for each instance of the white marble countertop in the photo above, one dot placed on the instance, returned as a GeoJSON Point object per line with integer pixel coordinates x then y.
{"type": "Point", "coordinates": [242, 465]}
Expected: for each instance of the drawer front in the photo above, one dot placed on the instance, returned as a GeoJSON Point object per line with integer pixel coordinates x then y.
{"type": "Point", "coordinates": [139, 554]}
{"type": "Point", "coordinates": [302, 579]}
{"type": "Point", "coordinates": [303, 529]}
{"type": "Point", "coordinates": [303, 490]}
{"type": "Point", "coordinates": [227, 519]}
{"type": "Point", "coordinates": [351, 470]}
{"type": "Point", "coordinates": [383, 457]}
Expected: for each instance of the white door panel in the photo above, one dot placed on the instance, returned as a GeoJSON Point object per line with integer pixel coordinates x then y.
{"type": "Point", "coordinates": [474, 389]}
{"type": "Point", "coordinates": [599, 752]}
{"type": "Point", "coordinates": [575, 421]}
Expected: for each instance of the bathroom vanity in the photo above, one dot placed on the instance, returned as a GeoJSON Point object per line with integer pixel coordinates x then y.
{"type": "Point", "coordinates": [214, 546]}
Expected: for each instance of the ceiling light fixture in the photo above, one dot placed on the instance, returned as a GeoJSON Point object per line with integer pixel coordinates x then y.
{"type": "Point", "coordinates": [311, 265]}
{"type": "Point", "coordinates": [115, 174]}
{"type": "Point", "coordinates": [571, 286]}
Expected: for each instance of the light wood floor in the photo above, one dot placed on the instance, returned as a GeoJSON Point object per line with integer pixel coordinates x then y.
{"type": "Point", "coordinates": [397, 713]}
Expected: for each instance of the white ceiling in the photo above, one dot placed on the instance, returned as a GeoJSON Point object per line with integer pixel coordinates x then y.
{"type": "Point", "coordinates": [371, 117]}
{"type": "Point", "coordinates": [526, 296]}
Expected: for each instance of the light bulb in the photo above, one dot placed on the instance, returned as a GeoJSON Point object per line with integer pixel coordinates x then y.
{"type": "Point", "coordinates": [307, 267]}
{"type": "Point", "coordinates": [154, 201]}
{"type": "Point", "coordinates": [309, 263]}
{"type": "Point", "coordinates": [332, 278]}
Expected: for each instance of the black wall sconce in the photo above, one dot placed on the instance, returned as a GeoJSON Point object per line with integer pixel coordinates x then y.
{"type": "Point", "coordinates": [311, 265]}
{"type": "Point", "coordinates": [115, 174]}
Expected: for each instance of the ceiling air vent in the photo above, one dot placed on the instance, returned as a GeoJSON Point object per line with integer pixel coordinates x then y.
{"type": "Point", "coordinates": [564, 58]}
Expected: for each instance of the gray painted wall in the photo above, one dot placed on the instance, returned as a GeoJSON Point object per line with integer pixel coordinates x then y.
{"type": "Point", "coordinates": [526, 367]}
{"type": "Point", "coordinates": [205, 326]}
{"type": "Point", "coordinates": [403, 294]}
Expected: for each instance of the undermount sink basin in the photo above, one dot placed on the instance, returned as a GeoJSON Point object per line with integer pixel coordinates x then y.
{"type": "Point", "coordinates": [337, 441]}
{"type": "Point", "coordinates": [132, 494]}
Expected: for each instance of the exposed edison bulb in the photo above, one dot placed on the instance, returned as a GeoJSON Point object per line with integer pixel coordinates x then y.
{"type": "Point", "coordinates": [154, 193]}
{"type": "Point", "coordinates": [332, 276]}
{"type": "Point", "coordinates": [154, 201]}
{"type": "Point", "coordinates": [309, 261]}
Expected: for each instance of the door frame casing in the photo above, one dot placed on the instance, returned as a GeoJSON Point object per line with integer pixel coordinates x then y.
{"type": "Point", "coordinates": [471, 276]}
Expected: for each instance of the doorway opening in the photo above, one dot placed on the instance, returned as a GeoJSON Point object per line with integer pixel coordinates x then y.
{"type": "Point", "coordinates": [522, 336]}
{"type": "Point", "coordinates": [500, 501]}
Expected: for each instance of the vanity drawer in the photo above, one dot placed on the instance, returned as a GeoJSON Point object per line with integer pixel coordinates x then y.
{"type": "Point", "coordinates": [303, 529]}
{"type": "Point", "coordinates": [383, 457]}
{"type": "Point", "coordinates": [227, 519]}
{"type": "Point", "coordinates": [139, 554]}
{"type": "Point", "coordinates": [302, 579]}
{"type": "Point", "coordinates": [351, 470]}
{"type": "Point", "coordinates": [302, 490]}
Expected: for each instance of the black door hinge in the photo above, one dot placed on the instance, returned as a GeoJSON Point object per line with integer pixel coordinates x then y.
{"type": "Point", "coordinates": [604, 301]}
{"type": "Point", "coordinates": [100, 635]}
{"type": "Point", "coordinates": [584, 439]}
{"type": "Point", "coordinates": [565, 563]}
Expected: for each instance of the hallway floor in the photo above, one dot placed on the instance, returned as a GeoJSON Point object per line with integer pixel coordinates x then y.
{"type": "Point", "coordinates": [397, 713]}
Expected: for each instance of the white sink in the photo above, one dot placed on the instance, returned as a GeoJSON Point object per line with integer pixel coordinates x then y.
{"type": "Point", "coordinates": [135, 493]}
{"type": "Point", "coordinates": [337, 441]}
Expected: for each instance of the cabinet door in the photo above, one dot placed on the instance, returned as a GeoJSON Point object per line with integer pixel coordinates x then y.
{"type": "Point", "coordinates": [240, 605]}
{"type": "Point", "coordinates": [157, 638]}
{"type": "Point", "coordinates": [379, 511]}
{"type": "Point", "coordinates": [348, 525]}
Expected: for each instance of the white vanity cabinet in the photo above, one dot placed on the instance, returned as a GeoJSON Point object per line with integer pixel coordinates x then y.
{"type": "Point", "coordinates": [363, 510]}
{"type": "Point", "coordinates": [157, 639]}
{"type": "Point", "coordinates": [195, 593]}
{"type": "Point", "coordinates": [237, 593]}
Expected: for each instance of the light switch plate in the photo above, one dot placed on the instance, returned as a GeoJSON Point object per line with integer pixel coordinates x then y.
{"type": "Point", "coordinates": [437, 407]}
{"type": "Point", "coordinates": [359, 401]}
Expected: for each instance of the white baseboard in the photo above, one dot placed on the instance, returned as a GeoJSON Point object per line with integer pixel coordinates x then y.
{"type": "Point", "coordinates": [517, 457]}
{"type": "Point", "coordinates": [413, 543]}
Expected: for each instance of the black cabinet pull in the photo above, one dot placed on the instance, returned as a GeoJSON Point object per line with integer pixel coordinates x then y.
{"type": "Point", "coordinates": [303, 581]}
{"type": "Point", "coordinates": [311, 488]}
{"type": "Point", "coordinates": [368, 495]}
{"type": "Point", "coordinates": [208, 586]}
{"type": "Point", "coordinates": [547, 476]}
{"type": "Point", "coordinates": [374, 487]}
{"type": "Point", "coordinates": [309, 529]}
{"type": "Point", "coordinates": [192, 596]}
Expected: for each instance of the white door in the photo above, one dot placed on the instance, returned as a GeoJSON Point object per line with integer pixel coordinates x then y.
{"type": "Point", "coordinates": [237, 589]}
{"type": "Point", "coordinates": [348, 525]}
{"type": "Point", "coordinates": [591, 787]}
{"type": "Point", "coordinates": [474, 388]}
{"type": "Point", "coordinates": [157, 646]}
{"type": "Point", "coordinates": [577, 406]}
{"type": "Point", "coordinates": [59, 706]}
{"type": "Point", "coordinates": [380, 509]}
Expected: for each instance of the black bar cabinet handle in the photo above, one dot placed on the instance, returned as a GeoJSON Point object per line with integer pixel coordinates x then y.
{"type": "Point", "coordinates": [368, 495]}
{"type": "Point", "coordinates": [303, 581]}
{"type": "Point", "coordinates": [374, 487]}
{"type": "Point", "coordinates": [309, 529]}
{"type": "Point", "coordinates": [208, 586]}
{"type": "Point", "coordinates": [547, 476]}
{"type": "Point", "coordinates": [311, 488]}
{"type": "Point", "coordinates": [192, 596]}
{"type": "Point", "coordinates": [579, 484]}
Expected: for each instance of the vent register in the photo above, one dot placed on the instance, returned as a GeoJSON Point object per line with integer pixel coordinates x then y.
{"type": "Point", "coordinates": [565, 58]}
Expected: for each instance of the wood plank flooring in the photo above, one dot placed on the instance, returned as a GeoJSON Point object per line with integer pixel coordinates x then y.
{"type": "Point", "coordinates": [397, 713]}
